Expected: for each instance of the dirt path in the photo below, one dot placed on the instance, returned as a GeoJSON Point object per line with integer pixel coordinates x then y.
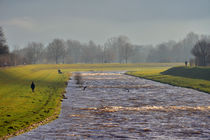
{"type": "Point", "coordinates": [117, 106]}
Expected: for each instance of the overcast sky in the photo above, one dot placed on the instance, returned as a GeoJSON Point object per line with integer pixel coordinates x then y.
{"type": "Point", "coordinates": [143, 21]}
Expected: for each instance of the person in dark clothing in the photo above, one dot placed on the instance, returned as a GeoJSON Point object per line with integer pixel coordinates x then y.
{"type": "Point", "coordinates": [186, 63]}
{"type": "Point", "coordinates": [59, 71]}
{"type": "Point", "coordinates": [32, 86]}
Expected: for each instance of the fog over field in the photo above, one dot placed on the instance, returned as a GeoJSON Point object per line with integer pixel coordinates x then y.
{"type": "Point", "coordinates": [93, 31]}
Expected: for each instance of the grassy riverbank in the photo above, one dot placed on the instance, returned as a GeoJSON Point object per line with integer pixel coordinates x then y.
{"type": "Point", "coordinates": [19, 106]}
{"type": "Point", "coordinates": [21, 109]}
{"type": "Point", "coordinates": [195, 77]}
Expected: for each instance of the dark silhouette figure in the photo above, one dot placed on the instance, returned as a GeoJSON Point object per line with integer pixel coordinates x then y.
{"type": "Point", "coordinates": [32, 86]}
{"type": "Point", "coordinates": [84, 87]}
{"type": "Point", "coordinates": [186, 63]}
{"type": "Point", "coordinates": [59, 71]}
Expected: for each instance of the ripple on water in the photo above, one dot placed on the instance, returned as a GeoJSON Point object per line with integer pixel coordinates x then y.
{"type": "Point", "coordinates": [147, 110]}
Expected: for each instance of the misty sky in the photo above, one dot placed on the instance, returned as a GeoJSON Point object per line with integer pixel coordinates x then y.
{"type": "Point", "coordinates": [143, 21]}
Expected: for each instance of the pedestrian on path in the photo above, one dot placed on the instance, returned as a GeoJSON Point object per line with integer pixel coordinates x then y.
{"type": "Point", "coordinates": [32, 86]}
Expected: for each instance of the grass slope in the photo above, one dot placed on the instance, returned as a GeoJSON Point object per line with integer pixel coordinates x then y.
{"type": "Point", "coordinates": [195, 78]}
{"type": "Point", "coordinates": [188, 72]}
{"type": "Point", "coordinates": [20, 108]}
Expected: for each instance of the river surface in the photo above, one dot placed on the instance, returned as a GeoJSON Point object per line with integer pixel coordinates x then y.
{"type": "Point", "coordinates": [118, 106]}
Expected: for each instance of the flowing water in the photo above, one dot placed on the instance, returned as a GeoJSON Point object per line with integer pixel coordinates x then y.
{"type": "Point", "coordinates": [118, 106]}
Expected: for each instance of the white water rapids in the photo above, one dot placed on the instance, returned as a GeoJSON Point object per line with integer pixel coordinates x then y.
{"type": "Point", "coordinates": [118, 106]}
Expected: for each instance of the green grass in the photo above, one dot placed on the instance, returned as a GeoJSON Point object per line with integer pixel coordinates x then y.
{"type": "Point", "coordinates": [196, 77]}
{"type": "Point", "coordinates": [22, 109]}
{"type": "Point", "coordinates": [19, 106]}
{"type": "Point", "coordinates": [189, 72]}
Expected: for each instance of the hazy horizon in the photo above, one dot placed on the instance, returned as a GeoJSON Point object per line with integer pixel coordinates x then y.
{"type": "Point", "coordinates": [142, 21]}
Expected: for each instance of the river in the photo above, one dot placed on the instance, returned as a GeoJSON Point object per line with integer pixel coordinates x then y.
{"type": "Point", "coordinates": [117, 106]}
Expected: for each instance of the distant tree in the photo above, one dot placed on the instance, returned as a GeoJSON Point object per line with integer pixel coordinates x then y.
{"type": "Point", "coordinates": [110, 51]}
{"type": "Point", "coordinates": [164, 53]}
{"type": "Point", "coordinates": [90, 52]}
{"type": "Point", "coordinates": [33, 52]}
{"type": "Point", "coordinates": [4, 50]}
{"type": "Point", "coordinates": [87, 54]}
{"type": "Point", "coordinates": [3, 46]}
{"type": "Point", "coordinates": [128, 51]}
{"type": "Point", "coordinates": [177, 53]}
{"type": "Point", "coordinates": [186, 46]}
{"type": "Point", "coordinates": [152, 55]}
{"type": "Point", "coordinates": [56, 50]}
{"type": "Point", "coordinates": [140, 53]}
{"type": "Point", "coordinates": [201, 51]}
{"type": "Point", "coordinates": [125, 48]}
{"type": "Point", "coordinates": [121, 43]}
{"type": "Point", "coordinates": [74, 49]}
{"type": "Point", "coordinates": [100, 52]}
{"type": "Point", "coordinates": [15, 52]}
{"type": "Point", "coordinates": [160, 54]}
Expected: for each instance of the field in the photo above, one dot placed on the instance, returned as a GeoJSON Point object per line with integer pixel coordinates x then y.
{"type": "Point", "coordinates": [195, 77]}
{"type": "Point", "coordinates": [21, 109]}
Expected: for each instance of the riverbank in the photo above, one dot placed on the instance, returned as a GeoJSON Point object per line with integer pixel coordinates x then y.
{"type": "Point", "coordinates": [190, 77]}
{"type": "Point", "coordinates": [20, 108]}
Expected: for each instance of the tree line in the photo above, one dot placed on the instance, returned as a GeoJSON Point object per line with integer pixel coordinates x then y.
{"type": "Point", "coordinates": [117, 50]}
{"type": "Point", "coordinates": [114, 50]}
{"type": "Point", "coordinates": [201, 51]}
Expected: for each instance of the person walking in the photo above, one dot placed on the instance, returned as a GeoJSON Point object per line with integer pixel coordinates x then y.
{"type": "Point", "coordinates": [185, 63]}
{"type": "Point", "coordinates": [32, 86]}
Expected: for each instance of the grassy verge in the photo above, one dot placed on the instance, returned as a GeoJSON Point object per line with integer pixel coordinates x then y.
{"type": "Point", "coordinates": [195, 78]}
{"type": "Point", "coordinates": [21, 109]}
{"type": "Point", "coordinates": [19, 106]}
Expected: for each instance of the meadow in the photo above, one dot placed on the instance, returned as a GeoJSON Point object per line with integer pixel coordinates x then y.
{"type": "Point", "coordinates": [22, 110]}
{"type": "Point", "coordinates": [189, 77]}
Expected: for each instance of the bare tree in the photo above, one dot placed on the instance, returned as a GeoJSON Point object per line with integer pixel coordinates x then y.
{"type": "Point", "coordinates": [3, 46]}
{"type": "Point", "coordinates": [125, 48]}
{"type": "Point", "coordinates": [201, 51]}
{"type": "Point", "coordinates": [56, 49]}
{"type": "Point", "coordinates": [33, 52]}
{"type": "Point", "coordinates": [128, 51]}
{"type": "Point", "coordinates": [16, 49]}
{"type": "Point", "coordinates": [74, 49]}
{"type": "Point", "coordinates": [4, 50]}
{"type": "Point", "coordinates": [110, 51]}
